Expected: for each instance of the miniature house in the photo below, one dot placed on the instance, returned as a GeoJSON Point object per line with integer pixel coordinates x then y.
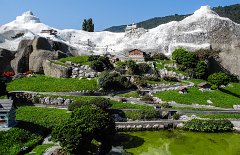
{"type": "Point", "coordinates": [204, 86]}
{"type": "Point", "coordinates": [51, 31]}
{"type": "Point", "coordinates": [136, 55]}
{"type": "Point", "coordinates": [182, 90]}
{"type": "Point", "coordinates": [7, 113]}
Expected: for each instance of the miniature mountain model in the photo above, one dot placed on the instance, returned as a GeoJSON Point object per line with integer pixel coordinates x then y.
{"type": "Point", "coordinates": [204, 29]}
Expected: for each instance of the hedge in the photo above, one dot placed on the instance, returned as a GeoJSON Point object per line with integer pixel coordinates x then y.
{"type": "Point", "coordinates": [208, 125]}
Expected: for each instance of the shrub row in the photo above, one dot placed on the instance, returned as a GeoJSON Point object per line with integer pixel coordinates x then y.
{"type": "Point", "coordinates": [143, 114]}
{"type": "Point", "coordinates": [208, 125]}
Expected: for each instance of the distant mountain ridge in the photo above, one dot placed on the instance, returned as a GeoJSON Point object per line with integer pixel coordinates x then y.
{"type": "Point", "coordinates": [232, 12]}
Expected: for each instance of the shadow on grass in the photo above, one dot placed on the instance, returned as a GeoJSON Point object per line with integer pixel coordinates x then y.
{"type": "Point", "coordinates": [229, 92]}
{"type": "Point", "coordinates": [127, 141]}
{"type": "Point", "coordinates": [33, 128]}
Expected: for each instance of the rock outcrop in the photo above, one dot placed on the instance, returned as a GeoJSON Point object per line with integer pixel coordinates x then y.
{"type": "Point", "coordinates": [20, 63]}
{"type": "Point", "coordinates": [55, 70]}
{"type": "Point", "coordinates": [5, 58]}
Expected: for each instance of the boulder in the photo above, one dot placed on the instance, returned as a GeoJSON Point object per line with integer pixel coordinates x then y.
{"type": "Point", "coordinates": [5, 58]}
{"type": "Point", "coordinates": [55, 70]}
{"type": "Point", "coordinates": [37, 58]}
{"type": "Point", "coordinates": [20, 63]}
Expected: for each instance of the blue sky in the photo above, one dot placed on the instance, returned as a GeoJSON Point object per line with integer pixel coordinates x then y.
{"type": "Point", "coordinates": [64, 14]}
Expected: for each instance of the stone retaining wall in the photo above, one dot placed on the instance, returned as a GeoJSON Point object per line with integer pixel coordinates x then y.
{"type": "Point", "coordinates": [148, 125]}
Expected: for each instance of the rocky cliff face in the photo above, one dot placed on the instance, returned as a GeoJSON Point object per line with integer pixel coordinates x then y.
{"type": "Point", "coordinates": [204, 29]}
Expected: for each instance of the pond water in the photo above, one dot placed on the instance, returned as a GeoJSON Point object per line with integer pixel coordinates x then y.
{"type": "Point", "coordinates": [178, 142]}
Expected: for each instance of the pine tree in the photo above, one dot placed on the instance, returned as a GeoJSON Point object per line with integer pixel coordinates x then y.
{"type": "Point", "coordinates": [88, 25]}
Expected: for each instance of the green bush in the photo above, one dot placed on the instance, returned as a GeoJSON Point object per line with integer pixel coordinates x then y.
{"type": "Point", "coordinates": [176, 116]}
{"type": "Point", "coordinates": [113, 81]}
{"type": "Point", "coordinates": [100, 102]}
{"type": "Point", "coordinates": [219, 79]}
{"type": "Point", "coordinates": [147, 97]}
{"type": "Point", "coordinates": [170, 79]}
{"type": "Point", "coordinates": [86, 123]}
{"type": "Point", "coordinates": [208, 125]}
{"type": "Point", "coordinates": [144, 114]}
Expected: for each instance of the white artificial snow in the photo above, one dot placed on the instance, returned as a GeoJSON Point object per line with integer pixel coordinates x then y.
{"type": "Point", "coordinates": [191, 33]}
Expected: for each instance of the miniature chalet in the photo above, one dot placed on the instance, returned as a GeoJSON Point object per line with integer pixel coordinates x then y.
{"type": "Point", "coordinates": [182, 90]}
{"type": "Point", "coordinates": [7, 113]}
{"type": "Point", "coordinates": [204, 86]}
{"type": "Point", "coordinates": [136, 55]}
{"type": "Point", "coordinates": [51, 31]}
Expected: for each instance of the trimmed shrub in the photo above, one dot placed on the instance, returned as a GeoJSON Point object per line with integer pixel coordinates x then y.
{"type": "Point", "coordinates": [144, 114]}
{"type": "Point", "coordinates": [208, 125]}
{"type": "Point", "coordinates": [176, 116]}
{"type": "Point", "coordinates": [170, 79]}
{"type": "Point", "coordinates": [99, 102]}
{"type": "Point", "coordinates": [147, 97]}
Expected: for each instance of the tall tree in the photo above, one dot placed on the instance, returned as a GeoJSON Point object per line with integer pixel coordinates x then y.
{"type": "Point", "coordinates": [88, 25]}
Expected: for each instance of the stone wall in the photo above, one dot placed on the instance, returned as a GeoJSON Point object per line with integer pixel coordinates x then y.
{"type": "Point", "coordinates": [55, 70]}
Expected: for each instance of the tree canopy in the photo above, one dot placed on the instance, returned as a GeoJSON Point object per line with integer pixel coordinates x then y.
{"type": "Point", "coordinates": [88, 25]}
{"type": "Point", "coordinates": [219, 79]}
{"type": "Point", "coordinates": [85, 124]}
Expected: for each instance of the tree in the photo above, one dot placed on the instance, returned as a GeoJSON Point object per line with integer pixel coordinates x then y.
{"type": "Point", "coordinates": [2, 88]}
{"type": "Point", "coordinates": [132, 67]}
{"type": "Point", "coordinates": [189, 60]}
{"type": "Point", "coordinates": [88, 25]}
{"type": "Point", "coordinates": [113, 81]}
{"type": "Point", "coordinates": [219, 79]}
{"type": "Point", "coordinates": [143, 68]}
{"type": "Point", "coordinates": [178, 55]}
{"type": "Point", "coordinates": [201, 69]}
{"type": "Point", "coordinates": [97, 65]}
{"type": "Point", "coordinates": [85, 124]}
{"type": "Point", "coordinates": [101, 63]}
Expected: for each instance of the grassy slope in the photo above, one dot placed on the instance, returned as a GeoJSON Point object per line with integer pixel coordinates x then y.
{"type": "Point", "coordinates": [133, 94]}
{"type": "Point", "coordinates": [46, 117]}
{"type": "Point", "coordinates": [226, 98]}
{"type": "Point", "coordinates": [38, 150]}
{"type": "Point", "coordinates": [40, 83]}
{"type": "Point", "coordinates": [78, 59]}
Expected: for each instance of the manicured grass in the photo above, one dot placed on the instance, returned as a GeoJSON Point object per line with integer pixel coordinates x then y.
{"type": "Point", "coordinates": [46, 117]}
{"type": "Point", "coordinates": [3, 97]}
{"type": "Point", "coordinates": [196, 81]}
{"type": "Point", "coordinates": [177, 142]}
{"type": "Point", "coordinates": [163, 82]}
{"type": "Point", "coordinates": [121, 105]}
{"type": "Point", "coordinates": [218, 97]}
{"type": "Point", "coordinates": [219, 116]}
{"type": "Point", "coordinates": [41, 83]}
{"type": "Point", "coordinates": [79, 59]}
{"type": "Point", "coordinates": [59, 63]}
{"type": "Point", "coordinates": [38, 150]}
{"type": "Point", "coordinates": [133, 94]}
{"type": "Point", "coordinates": [191, 108]}
{"type": "Point", "coordinates": [34, 124]}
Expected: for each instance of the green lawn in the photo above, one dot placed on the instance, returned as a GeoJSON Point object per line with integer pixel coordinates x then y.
{"type": "Point", "coordinates": [79, 59]}
{"type": "Point", "coordinates": [133, 94]}
{"type": "Point", "coordinates": [38, 150]}
{"type": "Point", "coordinates": [41, 83]}
{"type": "Point", "coordinates": [219, 116]}
{"type": "Point", "coordinates": [34, 123]}
{"type": "Point", "coordinates": [177, 142]}
{"type": "Point", "coordinates": [121, 105]}
{"type": "Point", "coordinates": [222, 98]}
{"type": "Point", "coordinates": [46, 117]}
{"type": "Point", "coordinates": [191, 108]}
